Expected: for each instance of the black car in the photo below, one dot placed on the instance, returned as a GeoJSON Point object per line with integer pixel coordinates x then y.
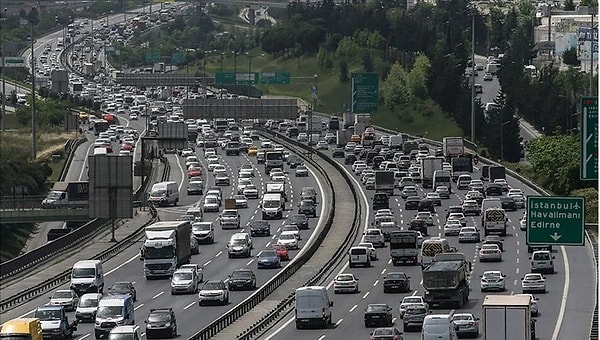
{"type": "Point", "coordinates": [493, 189]}
{"type": "Point", "coordinates": [293, 161]}
{"type": "Point", "coordinates": [396, 281]}
{"type": "Point", "coordinates": [241, 279]}
{"type": "Point", "coordinates": [307, 207]}
{"type": "Point", "coordinates": [161, 323]}
{"type": "Point", "coordinates": [299, 220]}
{"type": "Point", "coordinates": [194, 188]}
{"type": "Point", "coordinates": [412, 203]}
{"type": "Point", "coordinates": [350, 158]}
{"type": "Point", "coordinates": [494, 239]}
{"type": "Point", "coordinates": [259, 227]}
{"type": "Point", "coordinates": [378, 314]}
{"type": "Point", "coordinates": [338, 153]}
{"type": "Point", "coordinates": [124, 287]}
{"type": "Point", "coordinates": [309, 193]}
{"type": "Point", "coordinates": [426, 205]}
{"type": "Point", "coordinates": [508, 203]}
{"type": "Point", "coordinates": [381, 201]}
{"type": "Point", "coordinates": [377, 160]}
{"type": "Point", "coordinates": [418, 225]}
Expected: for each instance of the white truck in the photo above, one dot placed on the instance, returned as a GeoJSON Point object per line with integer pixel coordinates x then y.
{"type": "Point", "coordinates": [404, 247]}
{"type": "Point", "coordinates": [494, 221]}
{"type": "Point", "coordinates": [167, 246]}
{"type": "Point", "coordinates": [272, 206]}
{"type": "Point", "coordinates": [276, 188]}
{"type": "Point", "coordinates": [385, 182]}
{"type": "Point", "coordinates": [396, 142]}
{"type": "Point", "coordinates": [429, 165]}
{"type": "Point", "coordinates": [342, 137]}
{"type": "Point", "coordinates": [453, 147]}
{"type": "Point", "coordinates": [507, 317]}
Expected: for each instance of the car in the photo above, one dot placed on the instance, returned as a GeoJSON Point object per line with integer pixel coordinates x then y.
{"type": "Point", "coordinates": [533, 305]}
{"type": "Point", "coordinates": [503, 184]}
{"type": "Point", "coordinates": [321, 145]}
{"type": "Point", "coordinates": [302, 137]}
{"type": "Point", "coordinates": [242, 279]}
{"type": "Point", "coordinates": [289, 240]}
{"type": "Point", "coordinates": [242, 183]}
{"type": "Point", "coordinates": [414, 315]}
{"type": "Point", "coordinates": [384, 212]}
{"type": "Point", "coordinates": [372, 251]}
{"type": "Point", "coordinates": [518, 199]}
{"type": "Point", "coordinates": [374, 236]}
{"type": "Point", "coordinates": [240, 201]}
{"type": "Point", "coordinates": [370, 184]}
{"type": "Point", "coordinates": [425, 204]}
{"type": "Point", "coordinates": [259, 227]}
{"type": "Point", "coordinates": [194, 171]}
{"type": "Point", "coordinates": [408, 191]}
{"type": "Point", "coordinates": [523, 223]}
{"type": "Point", "coordinates": [345, 283]}
{"type": "Point", "coordinates": [493, 189]}
{"type": "Point", "coordinates": [425, 216]}
{"type": "Point", "coordinates": [214, 291]}
{"type": "Point", "coordinates": [396, 281]}
{"type": "Point", "coordinates": [471, 207]}
{"type": "Point", "coordinates": [185, 280]}
{"type": "Point", "coordinates": [277, 176]}
{"type": "Point", "coordinates": [222, 178]}
{"type": "Point", "coordinates": [123, 287]}
{"type": "Point", "coordinates": [490, 252]}
{"type": "Point", "coordinates": [458, 216]}
{"type": "Point", "coordinates": [281, 251]}
{"type": "Point", "coordinates": [204, 232]}
{"type": "Point", "coordinates": [187, 152]}
{"type": "Point", "coordinates": [466, 324]}
{"type": "Point", "coordinates": [250, 191]}
{"type": "Point", "coordinates": [307, 207]}
{"type": "Point", "coordinates": [338, 153]}
{"type": "Point", "coordinates": [245, 174]}
{"type": "Point", "coordinates": [515, 191]}
{"type": "Point", "coordinates": [195, 268]}
{"type": "Point", "coordinates": [412, 203]}
{"type": "Point", "coordinates": [443, 191]}
{"type": "Point", "coordinates": [492, 280]}
{"type": "Point", "coordinates": [195, 187]}
{"type": "Point", "coordinates": [468, 234]}
{"type": "Point", "coordinates": [386, 333]}
{"type": "Point", "coordinates": [411, 301]}
{"type": "Point", "coordinates": [268, 258]}
{"type": "Point", "coordinates": [298, 219]}
{"type": "Point", "coordinates": [210, 204]}
{"type": "Point", "coordinates": [252, 150]}
{"type": "Point", "coordinates": [533, 282]}
{"type": "Point", "coordinates": [292, 228]}
{"type": "Point", "coordinates": [419, 226]}
{"type": "Point", "coordinates": [452, 227]}
{"type": "Point", "coordinates": [494, 239]}
{"type": "Point", "coordinates": [434, 197]}
{"type": "Point", "coordinates": [378, 314]}
{"type": "Point", "coordinates": [475, 195]}
{"type": "Point", "coordinates": [66, 298]}
{"type": "Point", "coordinates": [508, 203]}
{"type": "Point", "coordinates": [161, 323]}
{"type": "Point", "coordinates": [542, 262]}
{"type": "Point", "coordinates": [301, 171]}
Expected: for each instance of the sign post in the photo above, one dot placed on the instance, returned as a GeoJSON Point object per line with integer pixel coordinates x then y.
{"type": "Point", "coordinates": [555, 220]}
{"type": "Point", "coordinates": [365, 92]}
{"type": "Point", "coordinates": [589, 139]}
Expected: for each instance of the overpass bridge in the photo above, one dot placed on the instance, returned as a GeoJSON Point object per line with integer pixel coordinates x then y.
{"type": "Point", "coordinates": [27, 209]}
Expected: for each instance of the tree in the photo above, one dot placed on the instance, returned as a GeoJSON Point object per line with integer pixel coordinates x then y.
{"type": "Point", "coordinates": [569, 5]}
{"type": "Point", "coordinates": [394, 89]}
{"type": "Point", "coordinates": [570, 57]}
{"type": "Point", "coordinates": [418, 76]}
{"type": "Point", "coordinates": [367, 62]}
{"type": "Point", "coordinates": [343, 71]}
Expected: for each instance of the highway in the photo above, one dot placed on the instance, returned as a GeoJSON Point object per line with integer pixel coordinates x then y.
{"type": "Point", "coordinates": [213, 257]}
{"type": "Point", "coordinates": [565, 311]}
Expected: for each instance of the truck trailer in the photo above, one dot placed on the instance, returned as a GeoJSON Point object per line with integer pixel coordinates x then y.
{"type": "Point", "coordinates": [453, 147]}
{"type": "Point", "coordinates": [507, 317]}
{"type": "Point", "coordinates": [167, 246]}
{"type": "Point", "coordinates": [445, 280]}
{"type": "Point", "coordinates": [404, 247]}
{"type": "Point", "coordinates": [384, 182]}
{"type": "Point", "coordinates": [429, 165]}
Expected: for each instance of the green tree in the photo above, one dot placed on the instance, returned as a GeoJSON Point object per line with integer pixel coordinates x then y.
{"type": "Point", "coordinates": [418, 76]}
{"type": "Point", "coordinates": [570, 57]}
{"type": "Point", "coordinates": [343, 72]}
{"type": "Point", "coordinates": [394, 89]}
{"type": "Point", "coordinates": [367, 62]}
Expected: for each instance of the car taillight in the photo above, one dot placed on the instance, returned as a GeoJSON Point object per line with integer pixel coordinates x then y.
{"type": "Point", "coordinates": [471, 323]}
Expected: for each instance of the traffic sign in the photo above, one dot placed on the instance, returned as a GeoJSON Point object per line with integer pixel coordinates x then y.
{"type": "Point", "coordinates": [152, 57]}
{"type": "Point", "coordinates": [365, 92]}
{"type": "Point", "coordinates": [232, 78]}
{"type": "Point", "coordinates": [177, 58]}
{"type": "Point", "coordinates": [14, 62]}
{"type": "Point", "coordinates": [555, 220]}
{"type": "Point", "coordinates": [588, 136]}
{"type": "Point", "coordinates": [224, 78]}
{"type": "Point", "coordinates": [276, 78]}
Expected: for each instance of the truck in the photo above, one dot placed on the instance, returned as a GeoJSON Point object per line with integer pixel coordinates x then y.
{"type": "Point", "coordinates": [359, 128]}
{"type": "Point", "coordinates": [273, 159]}
{"type": "Point", "coordinates": [68, 195]}
{"type": "Point", "coordinates": [333, 124]}
{"type": "Point", "coordinates": [55, 322]}
{"type": "Point", "coordinates": [461, 165]}
{"type": "Point", "coordinates": [364, 118]}
{"type": "Point", "coordinates": [410, 145]}
{"type": "Point", "coordinates": [445, 280]}
{"type": "Point", "coordinates": [453, 147]}
{"type": "Point", "coordinates": [429, 165]}
{"type": "Point", "coordinates": [396, 142]}
{"type": "Point", "coordinates": [348, 119]}
{"type": "Point", "coordinates": [494, 221]}
{"type": "Point", "coordinates": [404, 247]}
{"type": "Point", "coordinates": [342, 137]}
{"type": "Point", "coordinates": [496, 172]}
{"type": "Point", "coordinates": [507, 317]}
{"type": "Point", "coordinates": [277, 188]}
{"type": "Point", "coordinates": [22, 328]}
{"type": "Point", "coordinates": [230, 217]}
{"type": "Point", "coordinates": [384, 182]}
{"type": "Point", "coordinates": [167, 246]}
{"type": "Point", "coordinates": [272, 206]}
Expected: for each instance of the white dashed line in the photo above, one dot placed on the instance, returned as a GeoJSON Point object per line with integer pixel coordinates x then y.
{"type": "Point", "coordinates": [219, 253]}
{"type": "Point", "coordinates": [375, 283]}
{"type": "Point", "coordinates": [207, 263]}
{"type": "Point", "coordinates": [190, 305]}
{"type": "Point", "coordinates": [366, 294]}
{"type": "Point", "coordinates": [353, 308]}
{"type": "Point", "coordinates": [139, 306]}
{"type": "Point", "coordinates": [157, 295]}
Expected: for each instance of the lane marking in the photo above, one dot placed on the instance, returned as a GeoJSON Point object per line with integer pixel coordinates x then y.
{"type": "Point", "coordinates": [339, 322]}
{"type": "Point", "coordinates": [353, 308]}
{"type": "Point", "coordinates": [84, 336]}
{"type": "Point", "coordinates": [375, 283]}
{"type": "Point", "coordinates": [565, 293]}
{"type": "Point", "coordinates": [121, 265]}
{"type": "Point", "coordinates": [219, 253]}
{"type": "Point", "coordinates": [138, 306]}
{"type": "Point", "coordinates": [366, 294]}
{"type": "Point", "coordinates": [159, 294]}
{"type": "Point", "coordinates": [190, 305]}
{"type": "Point", "coordinates": [207, 263]}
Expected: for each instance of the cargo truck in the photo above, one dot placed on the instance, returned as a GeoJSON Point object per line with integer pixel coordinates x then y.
{"type": "Point", "coordinates": [277, 188]}
{"type": "Point", "coordinates": [507, 317]}
{"type": "Point", "coordinates": [363, 118]}
{"type": "Point", "coordinates": [273, 159]}
{"type": "Point", "coordinates": [496, 172]}
{"type": "Point", "coordinates": [410, 145]}
{"type": "Point", "coordinates": [167, 246]}
{"type": "Point", "coordinates": [348, 120]}
{"type": "Point", "coordinates": [384, 182]}
{"type": "Point", "coordinates": [494, 221]}
{"type": "Point", "coordinates": [461, 165]}
{"type": "Point", "coordinates": [68, 195]}
{"type": "Point", "coordinates": [342, 137]}
{"type": "Point", "coordinates": [396, 142]}
{"type": "Point", "coordinates": [445, 280]}
{"type": "Point", "coordinates": [429, 165]}
{"type": "Point", "coordinates": [55, 322]}
{"type": "Point", "coordinates": [404, 247]}
{"type": "Point", "coordinates": [453, 147]}
{"type": "Point", "coordinates": [359, 128]}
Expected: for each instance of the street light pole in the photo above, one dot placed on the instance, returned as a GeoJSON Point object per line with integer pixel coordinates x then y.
{"type": "Point", "coordinates": [502, 141]}
{"type": "Point", "coordinates": [235, 72]}
{"type": "Point", "coordinates": [473, 76]}
{"type": "Point", "coordinates": [33, 123]}
{"type": "Point", "coordinates": [4, 97]}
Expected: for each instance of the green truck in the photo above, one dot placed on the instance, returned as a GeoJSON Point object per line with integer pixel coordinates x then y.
{"type": "Point", "coordinates": [445, 280]}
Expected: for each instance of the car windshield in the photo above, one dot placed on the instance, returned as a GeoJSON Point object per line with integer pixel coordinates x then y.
{"type": "Point", "coordinates": [271, 204]}
{"type": "Point", "coordinates": [45, 315]}
{"type": "Point", "coordinates": [298, 218]}
{"type": "Point", "coordinates": [376, 308]}
{"type": "Point", "coordinates": [182, 276]}
{"type": "Point", "coordinates": [159, 317]}
{"type": "Point", "coordinates": [290, 228]}
{"type": "Point", "coordinates": [268, 253]}
{"type": "Point", "coordinates": [416, 311]}
{"type": "Point", "coordinates": [411, 300]}
{"type": "Point", "coordinates": [120, 336]}
{"type": "Point", "coordinates": [344, 278]}
{"type": "Point", "coordinates": [541, 257]}
{"type": "Point", "coordinates": [210, 200]}
{"type": "Point", "coordinates": [240, 274]}
{"type": "Point", "coordinates": [383, 331]}
{"type": "Point", "coordinates": [462, 318]}
{"type": "Point", "coordinates": [287, 237]}
{"type": "Point", "coordinates": [80, 273]}
{"type": "Point", "coordinates": [88, 302]}
{"type": "Point", "coordinates": [238, 242]}
{"type": "Point", "coordinates": [492, 274]}
{"type": "Point", "coordinates": [200, 226]}
{"type": "Point", "coordinates": [396, 276]}
{"type": "Point", "coordinates": [212, 286]}
{"type": "Point", "coordinates": [109, 311]}
{"type": "Point", "coordinates": [434, 329]}
{"type": "Point", "coordinates": [119, 286]}
{"type": "Point", "coordinates": [62, 295]}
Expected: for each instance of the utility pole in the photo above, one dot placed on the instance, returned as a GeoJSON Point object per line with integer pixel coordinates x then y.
{"type": "Point", "coordinates": [593, 40]}
{"type": "Point", "coordinates": [33, 123]}
{"type": "Point", "coordinates": [4, 97]}
{"type": "Point", "coordinates": [473, 75]}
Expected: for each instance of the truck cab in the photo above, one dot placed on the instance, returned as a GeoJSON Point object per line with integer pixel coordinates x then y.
{"type": "Point", "coordinates": [55, 322]}
{"type": "Point", "coordinates": [113, 310]}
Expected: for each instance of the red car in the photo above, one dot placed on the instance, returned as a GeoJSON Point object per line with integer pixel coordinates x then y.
{"type": "Point", "coordinates": [281, 251]}
{"type": "Point", "coordinates": [194, 172]}
{"type": "Point", "coordinates": [127, 146]}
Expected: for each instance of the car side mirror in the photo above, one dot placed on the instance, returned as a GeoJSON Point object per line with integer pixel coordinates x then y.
{"type": "Point", "coordinates": [553, 257]}
{"type": "Point", "coordinates": [503, 275]}
{"type": "Point", "coordinates": [330, 303]}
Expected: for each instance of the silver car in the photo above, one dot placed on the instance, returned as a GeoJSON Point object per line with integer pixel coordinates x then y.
{"type": "Point", "coordinates": [184, 281]}
{"type": "Point", "coordinates": [66, 298]}
{"type": "Point", "coordinates": [468, 234]}
{"type": "Point", "coordinates": [466, 324]}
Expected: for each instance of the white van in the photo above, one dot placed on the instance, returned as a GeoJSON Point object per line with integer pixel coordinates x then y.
{"type": "Point", "coordinates": [87, 277]}
{"type": "Point", "coordinates": [463, 181]}
{"type": "Point", "coordinates": [164, 193]}
{"type": "Point", "coordinates": [438, 327]}
{"type": "Point", "coordinates": [272, 206]}
{"type": "Point", "coordinates": [487, 203]}
{"type": "Point", "coordinates": [431, 247]}
{"type": "Point", "coordinates": [359, 256]}
{"type": "Point", "coordinates": [442, 178]}
{"type": "Point", "coordinates": [313, 306]}
{"type": "Point", "coordinates": [113, 310]}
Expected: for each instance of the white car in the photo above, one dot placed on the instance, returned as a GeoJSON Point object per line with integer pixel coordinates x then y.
{"type": "Point", "coordinates": [413, 300]}
{"type": "Point", "coordinates": [345, 283]}
{"type": "Point", "coordinates": [242, 183]}
{"type": "Point", "coordinates": [240, 201]}
{"type": "Point", "coordinates": [515, 192]}
{"type": "Point", "coordinates": [133, 116]}
{"type": "Point", "coordinates": [383, 212]}
{"type": "Point", "coordinates": [503, 183]}
{"type": "Point", "coordinates": [321, 145]}
{"type": "Point", "coordinates": [214, 291]}
{"type": "Point", "coordinates": [293, 229]}
{"type": "Point", "coordinates": [468, 234]}
{"type": "Point", "coordinates": [250, 191]}
{"type": "Point", "coordinates": [211, 204]}
{"type": "Point", "coordinates": [372, 251]}
{"type": "Point", "coordinates": [374, 236]}
{"type": "Point", "coordinates": [66, 298]}
{"type": "Point", "coordinates": [533, 282]}
{"type": "Point", "coordinates": [492, 280]}
{"type": "Point", "coordinates": [288, 239]}
{"type": "Point", "coordinates": [458, 216]}
{"type": "Point", "coordinates": [452, 227]}
{"type": "Point", "coordinates": [425, 216]}
{"type": "Point", "coordinates": [211, 166]}
{"type": "Point", "coordinates": [490, 252]}
{"type": "Point", "coordinates": [278, 176]}
{"type": "Point", "coordinates": [187, 152]}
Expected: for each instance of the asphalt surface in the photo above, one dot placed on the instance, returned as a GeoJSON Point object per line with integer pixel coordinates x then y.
{"type": "Point", "coordinates": [579, 288]}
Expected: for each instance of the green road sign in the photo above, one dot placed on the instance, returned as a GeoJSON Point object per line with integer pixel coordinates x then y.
{"type": "Point", "coordinates": [14, 62]}
{"type": "Point", "coordinates": [177, 58]}
{"type": "Point", "coordinates": [232, 78]}
{"type": "Point", "coordinates": [275, 78]}
{"type": "Point", "coordinates": [589, 138]}
{"type": "Point", "coordinates": [152, 57]}
{"type": "Point", "coordinates": [245, 78]}
{"type": "Point", "coordinates": [224, 78]}
{"type": "Point", "coordinates": [555, 220]}
{"type": "Point", "coordinates": [365, 92]}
